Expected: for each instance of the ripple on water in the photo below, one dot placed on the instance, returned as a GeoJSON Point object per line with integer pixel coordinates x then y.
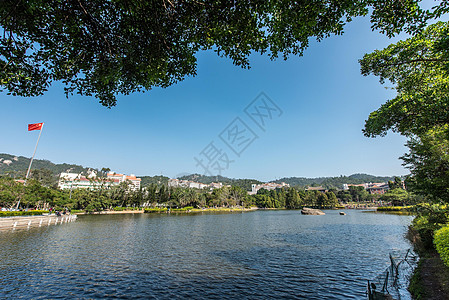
{"type": "Point", "coordinates": [264, 254]}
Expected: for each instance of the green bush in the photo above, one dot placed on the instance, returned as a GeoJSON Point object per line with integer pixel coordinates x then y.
{"type": "Point", "coordinates": [187, 208]}
{"type": "Point", "coordinates": [430, 219]}
{"type": "Point", "coordinates": [441, 240]}
{"type": "Point", "coordinates": [22, 213]}
{"type": "Point", "coordinates": [425, 230]}
{"type": "Point", "coordinates": [120, 208]}
{"type": "Point", "coordinates": [395, 208]}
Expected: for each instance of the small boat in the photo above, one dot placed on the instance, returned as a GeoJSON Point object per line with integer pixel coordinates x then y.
{"type": "Point", "coordinates": [342, 213]}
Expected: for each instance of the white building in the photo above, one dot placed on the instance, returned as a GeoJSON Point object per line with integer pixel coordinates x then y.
{"type": "Point", "coordinates": [267, 186]}
{"type": "Point", "coordinates": [134, 182]}
{"type": "Point", "coordinates": [91, 181]}
{"type": "Point", "coordinates": [78, 181]}
{"type": "Point", "coordinates": [173, 182]}
{"type": "Point", "coordinates": [372, 188]}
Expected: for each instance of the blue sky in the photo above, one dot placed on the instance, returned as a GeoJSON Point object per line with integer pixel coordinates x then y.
{"type": "Point", "coordinates": [324, 102]}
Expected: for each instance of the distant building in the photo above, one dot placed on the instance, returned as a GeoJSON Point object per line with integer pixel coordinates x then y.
{"type": "Point", "coordinates": [134, 182]}
{"type": "Point", "coordinates": [378, 188]}
{"type": "Point", "coordinates": [78, 181]}
{"type": "Point", "coordinates": [91, 181]}
{"type": "Point", "coordinates": [316, 188]}
{"type": "Point", "coordinates": [346, 186]}
{"type": "Point", "coordinates": [267, 186]}
{"type": "Point", "coordinates": [173, 182]}
{"type": "Point", "coordinates": [216, 185]}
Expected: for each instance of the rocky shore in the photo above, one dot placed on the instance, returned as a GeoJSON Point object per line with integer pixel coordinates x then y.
{"type": "Point", "coordinates": [312, 211]}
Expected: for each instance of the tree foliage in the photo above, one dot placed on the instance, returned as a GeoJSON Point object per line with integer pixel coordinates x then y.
{"type": "Point", "coordinates": [333, 182]}
{"type": "Point", "coordinates": [428, 161]}
{"type": "Point", "coordinates": [396, 184]}
{"type": "Point", "coordinates": [103, 48]}
{"type": "Point", "coordinates": [35, 195]}
{"type": "Point", "coordinates": [396, 197]}
{"type": "Point", "coordinates": [418, 67]}
{"type": "Point", "coordinates": [293, 200]}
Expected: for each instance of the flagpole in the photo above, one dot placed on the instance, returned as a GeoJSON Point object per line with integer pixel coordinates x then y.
{"type": "Point", "coordinates": [35, 148]}
{"type": "Point", "coordinates": [31, 161]}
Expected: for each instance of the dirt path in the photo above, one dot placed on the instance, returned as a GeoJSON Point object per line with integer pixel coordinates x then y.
{"type": "Point", "coordinates": [434, 279]}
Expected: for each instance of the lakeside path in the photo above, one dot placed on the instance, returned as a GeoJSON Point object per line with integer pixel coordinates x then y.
{"type": "Point", "coordinates": [7, 223]}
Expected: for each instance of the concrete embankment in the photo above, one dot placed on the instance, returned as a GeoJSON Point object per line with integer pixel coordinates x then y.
{"type": "Point", "coordinates": [7, 223]}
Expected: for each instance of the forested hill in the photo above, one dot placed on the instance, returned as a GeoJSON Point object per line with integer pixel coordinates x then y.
{"type": "Point", "coordinates": [328, 182]}
{"type": "Point", "coordinates": [157, 180]}
{"type": "Point", "coordinates": [334, 182]}
{"type": "Point", "coordinates": [243, 183]}
{"type": "Point", "coordinates": [17, 166]}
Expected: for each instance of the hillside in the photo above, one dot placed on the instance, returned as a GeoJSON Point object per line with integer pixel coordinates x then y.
{"type": "Point", "coordinates": [334, 182]}
{"type": "Point", "coordinates": [243, 183]}
{"type": "Point", "coordinates": [17, 166]}
{"type": "Point", "coordinates": [158, 180]}
{"type": "Point", "coordinates": [328, 182]}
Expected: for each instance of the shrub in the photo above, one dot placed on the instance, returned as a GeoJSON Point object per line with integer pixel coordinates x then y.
{"type": "Point", "coordinates": [395, 208]}
{"type": "Point", "coordinates": [187, 208]}
{"type": "Point", "coordinates": [120, 208]}
{"type": "Point", "coordinates": [22, 213]}
{"type": "Point", "coordinates": [425, 230]}
{"type": "Point", "coordinates": [441, 240]}
{"type": "Point", "coordinates": [430, 219]}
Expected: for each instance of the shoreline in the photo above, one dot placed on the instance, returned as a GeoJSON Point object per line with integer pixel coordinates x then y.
{"type": "Point", "coordinates": [194, 210]}
{"type": "Point", "coordinates": [111, 212]}
{"type": "Point", "coordinates": [200, 210]}
{"type": "Point", "coordinates": [15, 222]}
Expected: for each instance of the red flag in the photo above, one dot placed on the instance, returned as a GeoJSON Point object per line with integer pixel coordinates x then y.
{"type": "Point", "coordinates": [37, 126]}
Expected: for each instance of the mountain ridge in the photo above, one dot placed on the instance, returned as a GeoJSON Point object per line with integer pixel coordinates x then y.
{"type": "Point", "coordinates": [16, 166]}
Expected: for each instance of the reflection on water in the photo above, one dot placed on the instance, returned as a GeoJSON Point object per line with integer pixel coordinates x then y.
{"type": "Point", "coordinates": [243, 255]}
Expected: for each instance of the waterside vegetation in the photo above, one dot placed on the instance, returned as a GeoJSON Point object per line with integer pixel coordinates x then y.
{"type": "Point", "coordinates": [37, 196]}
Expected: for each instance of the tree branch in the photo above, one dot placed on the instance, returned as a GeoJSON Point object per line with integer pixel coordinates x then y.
{"type": "Point", "coordinates": [418, 60]}
{"type": "Point", "coordinates": [94, 23]}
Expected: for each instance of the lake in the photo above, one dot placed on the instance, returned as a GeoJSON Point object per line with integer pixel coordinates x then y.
{"type": "Point", "coordinates": [252, 255]}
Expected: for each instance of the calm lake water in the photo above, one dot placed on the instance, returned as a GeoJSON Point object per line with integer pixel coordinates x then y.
{"type": "Point", "coordinates": [254, 255]}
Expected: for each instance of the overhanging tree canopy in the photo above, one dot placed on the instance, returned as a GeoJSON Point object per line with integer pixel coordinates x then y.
{"type": "Point", "coordinates": [109, 47]}
{"type": "Point", "coordinates": [419, 69]}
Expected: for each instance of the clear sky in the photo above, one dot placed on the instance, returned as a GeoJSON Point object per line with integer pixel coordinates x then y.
{"type": "Point", "coordinates": [323, 98]}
